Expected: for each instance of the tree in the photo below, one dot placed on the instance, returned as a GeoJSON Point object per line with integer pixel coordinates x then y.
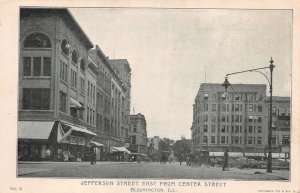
{"type": "Point", "coordinates": [181, 148]}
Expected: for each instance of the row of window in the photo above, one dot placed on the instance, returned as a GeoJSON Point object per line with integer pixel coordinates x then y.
{"type": "Point", "coordinates": [36, 66]}
{"type": "Point", "coordinates": [226, 129]}
{"type": "Point", "coordinates": [225, 140]}
{"type": "Point", "coordinates": [226, 107]}
{"type": "Point", "coordinates": [233, 96]}
{"type": "Point", "coordinates": [226, 118]}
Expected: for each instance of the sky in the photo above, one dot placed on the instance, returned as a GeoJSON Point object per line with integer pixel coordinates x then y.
{"type": "Point", "coordinates": [171, 50]}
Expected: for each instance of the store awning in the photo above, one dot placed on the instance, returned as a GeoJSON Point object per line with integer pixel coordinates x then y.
{"type": "Point", "coordinates": [80, 129]}
{"type": "Point", "coordinates": [63, 134]}
{"type": "Point", "coordinates": [254, 154]}
{"type": "Point", "coordinates": [96, 143]}
{"type": "Point", "coordinates": [276, 155]}
{"type": "Point", "coordinates": [216, 154]}
{"type": "Point", "coordinates": [119, 149]}
{"type": "Point", "coordinates": [34, 129]}
{"type": "Point", "coordinates": [75, 104]}
{"type": "Point", "coordinates": [235, 154]}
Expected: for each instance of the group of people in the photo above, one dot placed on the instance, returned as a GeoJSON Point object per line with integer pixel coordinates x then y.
{"type": "Point", "coordinates": [195, 160]}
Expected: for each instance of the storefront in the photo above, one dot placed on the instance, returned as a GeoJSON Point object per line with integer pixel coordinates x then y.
{"type": "Point", "coordinates": [55, 141]}
{"type": "Point", "coordinates": [118, 153]}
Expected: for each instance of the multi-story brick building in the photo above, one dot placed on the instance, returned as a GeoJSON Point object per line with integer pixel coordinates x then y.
{"type": "Point", "coordinates": [68, 94]}
{"type": "Point", "coordinates": [123, 70]}
{"type": "Point", "coordinates": [281, 123]}
{"type": "Point", "coordinates": [138, 133]}
{"type": "Point", "coordinates": [53, 80]}
{"type": "Point", "coordinates": [236, 120]}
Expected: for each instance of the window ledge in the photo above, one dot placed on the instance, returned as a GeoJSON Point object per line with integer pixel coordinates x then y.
{"type": "Point", "coordinates": [36, 77]}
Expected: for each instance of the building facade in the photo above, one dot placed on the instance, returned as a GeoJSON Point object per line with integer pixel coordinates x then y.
{"type": "Point", "coordinates": [138, 134]}
{"type": "Point", "coordinates": [237, 120]}
{"type": "Point", "coordinates": [123, 71]}
{"type": "Point", "coordinates": [69, 95]}
{"type": "Point", "coordinates": [53, 99]}
{"type": "Point", "coordinates": [280, 123]}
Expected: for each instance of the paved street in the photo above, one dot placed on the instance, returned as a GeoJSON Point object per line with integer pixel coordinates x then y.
{"type": "Point", "coordinates": [140, 170]}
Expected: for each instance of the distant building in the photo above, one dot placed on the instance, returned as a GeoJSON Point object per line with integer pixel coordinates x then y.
{"type": "Point", "coordinates": [138, 134]}
{"type": "Point", "coordinates": [235, 120]}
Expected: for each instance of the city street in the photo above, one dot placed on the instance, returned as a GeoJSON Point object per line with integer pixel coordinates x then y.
{"type": "Point", "coordinates": [141, 170]}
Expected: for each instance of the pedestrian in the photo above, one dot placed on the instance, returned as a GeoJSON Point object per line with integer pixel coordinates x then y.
{"type": "Point", "coordinates": [48, 154]}
{"type": "Point", "coordinates": [225, 162]}
{"type": "Point", "coordinates": [92, 155]}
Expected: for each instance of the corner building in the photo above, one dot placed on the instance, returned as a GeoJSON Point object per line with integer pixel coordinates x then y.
{"type": "Point", "coordinates": [69, 95]}
{"type": "Point", "coordinates": [235, 120]}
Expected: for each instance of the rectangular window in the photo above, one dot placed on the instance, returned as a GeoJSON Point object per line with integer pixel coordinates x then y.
{"type": "Point", "coordinates": [222, 139]}
{"type": "Point", "coordinates": [47, 66]}
{"type": "Point", "coordinates": [249, 140]}
{"type": "Point", "coordinates": [258, 140]}
{"type": "Point", "coordinates": [37, 66]}
{"type": "Point", "coordinates": [259, 119]}
{"type": "Point", "coordinates": [285, 140]}
{"type": "Point", "coordinates": [26, 66]}
{"type": "Point", "coordinates": [133, 139]}
{"type": "Point", "coordinates": [205, 128]}
{"type": "Point", "coordinates": [236, 140]}
{"type": "Point", "coordinates": [223, 118]}
{"type": "Point", "coordinates": [259, 129]}
{"type": "Point", "coordinates": [63, 71]}
{"type": "Point", "coordinates": [62, 102]}
{"type": "Point", "coordinates": [259, 107]}
{"type": "Point", "coordinates": [204, 139]}
{"type": "Point", "coordinates": [87, 114]}
{"type": "Point", "coordinates": [82, 85]}
{"type": "Point", "coordinates": [213, 128]}
{"type": "Point", "coordinates": [214, 107]}
{"type": "Point", "coordinates": [250, 129]}
{"type": "Point", "coordinates": [237, 129]}
{"type": "Point", "coordinates": [223, 128]}
{"type": "Point", "coordinates": [250, 97]}
{"type": "Point", "coordinates": [237, 117]}
{"type": "Point", "coordinates": [80, 112]}
{"type": "Point", "coordinates": [250, 107]}
{"type": "Point", "coordinates": [212, 139]}
{"type": "Point", "coordinates": [205, 118]}
{"type": "Point", "coordinates": [236, 107]}
{"type": "Point", "coordinates": [134, 128]}
{"type": "Point", "coordinates": [205, 97]}
{"type": "Point", "coordinates": [223, 107]}
{"type": "Point", "coordinates": [205, 107]}
{"type": "Point", "coordinates": [36, 98]}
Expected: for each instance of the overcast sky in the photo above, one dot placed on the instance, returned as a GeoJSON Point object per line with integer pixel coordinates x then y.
{"type": "Point", "coordinates": [169, 49]}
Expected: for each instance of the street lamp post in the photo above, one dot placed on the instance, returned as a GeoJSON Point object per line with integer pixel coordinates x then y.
{"type": "Point", "coordinates": [226, 84]}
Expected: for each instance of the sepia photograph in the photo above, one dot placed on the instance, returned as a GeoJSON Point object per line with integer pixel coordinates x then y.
{"type": "Point", "coordinates": [154, 99]}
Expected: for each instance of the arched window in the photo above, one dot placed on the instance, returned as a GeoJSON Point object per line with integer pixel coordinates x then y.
{"type": "Point", "coordinates": [74, 57]}
{"type": "Point", "coordinates": [82, 65]}
{"type": "Point", "coordinates": [37, 40]}
{"type": "Point", "coordinates": [65, 47]}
